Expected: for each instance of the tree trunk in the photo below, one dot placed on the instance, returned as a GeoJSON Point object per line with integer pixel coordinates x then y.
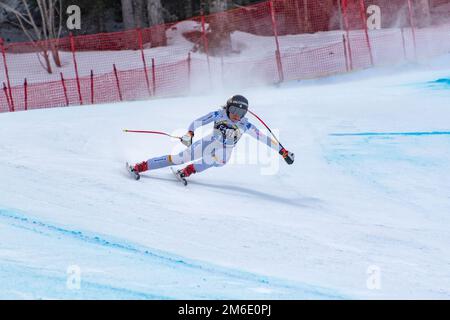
{"type": "Point", "coordinates": [44, 33]}
{"type": "Point", "coordinates": [220, 42]}
{"type": "Point", "coordinates": [155, 14]}
{"type": "Point", "coordinates": [99, 10]}
{"type": "Point", "coordinates": [55, 53]}
{"type": "Point", "coordinates": [48, 65]}
{"type": "Point", "coordinates": [139, 13]}
{"type": "Point", "coordinates": [218, 5]}
{"type": "Point", "coordinates": [127, 14]}
{"type": "Point", "coordinates": [156, 21]}
{"type": "Point", "coordinates": [52, 31]}
{"type": "Point", "coordinates": [188, 8]}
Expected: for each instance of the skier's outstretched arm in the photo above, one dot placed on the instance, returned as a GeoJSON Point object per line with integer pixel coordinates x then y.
{"type": "Point", "coordinates": [210, 117]}
{"type": "Point", "coordinates": [261, 137]}
{"type": "Point", "coordinates": [255, 133]}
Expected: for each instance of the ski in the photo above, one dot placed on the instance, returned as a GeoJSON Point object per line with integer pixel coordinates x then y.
{"type": "Point", "coordinates": [135, 175]}
{"type": "Point", "coordinates": [182, 180]}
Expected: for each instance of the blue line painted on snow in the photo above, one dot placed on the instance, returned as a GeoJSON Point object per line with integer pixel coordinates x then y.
{"type": "Point", "coordinates": [29, 280]}
{"type": "Point", "coordinates": [420, 133]}
{"type": "Point", "coordinates": [438, 84]}
{"type": "Point", "coordinates": [95, 239]}
{"type": "Point", "coordinates": [443, 83]}
{"type": "Point", "coordinates": [167, 262]}
{"type": "Point", "coordinates": [444, 80]}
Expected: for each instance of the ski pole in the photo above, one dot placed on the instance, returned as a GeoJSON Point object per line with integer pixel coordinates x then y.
{"type": "Point", "coordinates": [265, 125]}
{"type": "Point", "coordinates": [152, 132]}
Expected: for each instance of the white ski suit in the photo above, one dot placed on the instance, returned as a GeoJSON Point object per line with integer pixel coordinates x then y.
{"type": "Point", "coordinates": [213, 150]}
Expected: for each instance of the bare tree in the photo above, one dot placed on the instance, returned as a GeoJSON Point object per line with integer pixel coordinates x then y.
{"type": "Point", "coordinates": [4, 14]}
{"type": "Point", "coordinates": [44, 31]}
{"type": "Point", "coordinates": [49, 10]}
{"type": "Point", "coordinates": [127, 14]}
{"type": "Point", "coordinates": [220, 33]}
{"type": "Point", "coordinates": [156, 19]}
{"type": "Point", "coordinates": [139, 13]}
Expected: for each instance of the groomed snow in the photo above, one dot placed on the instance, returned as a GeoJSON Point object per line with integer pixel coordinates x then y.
{"type": "Point", "coordinates": [252, 229]}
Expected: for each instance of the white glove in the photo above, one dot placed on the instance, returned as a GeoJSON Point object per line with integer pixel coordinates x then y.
{"type": "Point", "coordinates": [187, 139]}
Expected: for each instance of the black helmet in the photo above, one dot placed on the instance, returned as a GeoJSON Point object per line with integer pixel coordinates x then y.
{"type": "Point", "coordinates": [237, 105]}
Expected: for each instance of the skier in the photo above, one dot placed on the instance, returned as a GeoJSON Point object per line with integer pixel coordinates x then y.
{"type": "Point", "coordinates": [215, 149]}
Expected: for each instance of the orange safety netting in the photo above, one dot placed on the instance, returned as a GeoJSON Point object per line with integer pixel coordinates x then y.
{"type": "Point", "coordinates": [266, 43]}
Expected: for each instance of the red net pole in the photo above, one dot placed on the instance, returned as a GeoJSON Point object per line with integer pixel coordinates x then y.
{"type": "Point", "coordinates": [72, 47]}
{"type": "Point", "coordinates": [189, 70]}
{"type": "Point", "coordinates": [11, 99]}
{"type": "Point", "coordinates": [63, 83]}
{"type": "Point", "coordinates": [144, 62]}
{"type": "Point", "coordinates": [362, 9]}
{"type": "Point", "coordinates": [275, 33]}
{"type": "Point", "coordinates": [25, 93]}
{"type": "Point", "coordinates": [344, 14]}
{"type": "Point", "coordinates": [344, 42]}
{"type": "Point", "coordinates": [5, 90]}
{"type": "Point", "coordinates": [413, 26]}
{"type": "Point", "coordinates": [117, 82]}
{"type": "Point", "coordinates": [92, 86]}
{"type": "Point", "coordinates": [154, 76]}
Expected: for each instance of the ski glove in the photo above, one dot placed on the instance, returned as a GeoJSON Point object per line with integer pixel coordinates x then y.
{"type": "Point", "coordinates": [287, 156]}
{"type": "Point", "coordinates": [187, 139]}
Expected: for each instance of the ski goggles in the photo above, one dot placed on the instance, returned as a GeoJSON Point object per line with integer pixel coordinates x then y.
{"type": "Point", "coordinates": [237, 111]}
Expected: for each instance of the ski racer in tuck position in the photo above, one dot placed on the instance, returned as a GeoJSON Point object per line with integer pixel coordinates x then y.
{"type": "Point", "coordinates": [215, 149]}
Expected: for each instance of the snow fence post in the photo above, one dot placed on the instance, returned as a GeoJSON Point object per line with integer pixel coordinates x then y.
{"type": "Point", "coordinates": [277, 52]}
{"type": "Point", "coordinates": [5, 90]}
{"type": "Point", "coordinates": [154, 76]}
{"type": "Point", "coordinates": [10, 99]}
{"type": "Point", "coordinates": [72, 47]}
{"type": "Point", "coordinates": [344, 14]}
{"type": "Point", "coordinates": [413, 26]}
{"type": "Point", "coordinates": [345, 53]}
{"type": "Point", "coordinates": [362, 9]}
{"type": "Point", "coordinates": [64, 89]}
{"type": "Point", "coordinates": [144, 62]}
{"type": "Point", "coordinates": [25, 93]}
{"type": "Point", "coordinates": [92, 86]}
{"type": "Point", "coordinates": [117, 82]}
{"type": "Point", "coordinates": [189, 70]}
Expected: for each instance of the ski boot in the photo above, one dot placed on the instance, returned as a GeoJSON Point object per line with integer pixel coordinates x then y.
{"type": "Point", "coordinates": [137, 169]}
{"type": "Point", "coordinates": [184, 173]}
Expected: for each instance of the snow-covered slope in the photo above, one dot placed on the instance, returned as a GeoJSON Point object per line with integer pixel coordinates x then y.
{"type": "Point", "coordinates": [256, 228]}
